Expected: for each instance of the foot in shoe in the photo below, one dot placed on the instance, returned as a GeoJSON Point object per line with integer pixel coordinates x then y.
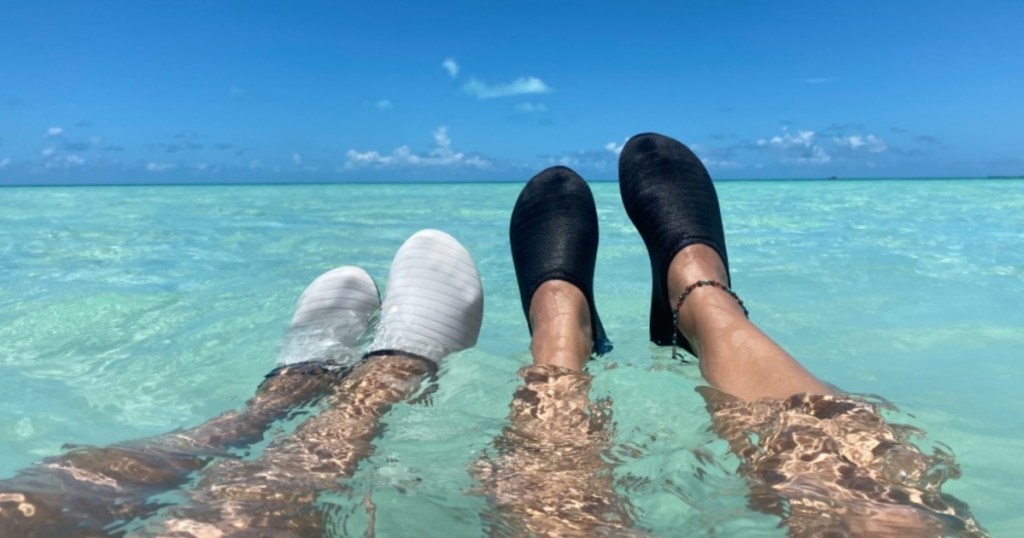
{"type": "Point", "coordinates": [433, 301]}
{"type": "Point", "coordinates": [331, 318]}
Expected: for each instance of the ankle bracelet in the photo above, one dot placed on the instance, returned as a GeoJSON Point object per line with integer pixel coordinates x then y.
{"type": "Point", "coordinates": [686, 293]}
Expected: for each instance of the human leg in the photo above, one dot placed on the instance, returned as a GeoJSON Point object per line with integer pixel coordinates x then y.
{"type": "Point", "coordinates": [671, 200]}
{"type": "Point", "coordinates": [433, 306]}
{"type": "Point", "coordinates": [833, 465]}
{"type": "Point", "coordinates": [735, 355]}
{"type": "Point", "coordinates": [276, 494]}
{"type": "Point", "coordinates": [827, 463]}
{"type": "Point", "coordinates": [90, 488]}
{"type": "Point", "coordinates": [554, 234]}
{"type": "Point", "coordinates": [549, 476]}
{"type": "Point", "coordinates": [561, 321]}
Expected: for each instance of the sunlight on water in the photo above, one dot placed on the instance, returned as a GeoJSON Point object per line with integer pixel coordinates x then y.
{"type": "Point", "coordinates": [129, 312]}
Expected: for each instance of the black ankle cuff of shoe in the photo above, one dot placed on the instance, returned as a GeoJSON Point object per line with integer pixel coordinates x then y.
{"type": "Point", "coordinates": [431, 365]}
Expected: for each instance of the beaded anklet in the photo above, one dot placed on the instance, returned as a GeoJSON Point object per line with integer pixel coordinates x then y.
{"type": "Point", "coordinates": [686, 293]}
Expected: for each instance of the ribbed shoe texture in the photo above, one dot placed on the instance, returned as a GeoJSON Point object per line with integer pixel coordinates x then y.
{"type": "Point", "coordinates": [331, 317]}
{"type": "Point", "coordinates": [554, 235]}
{"type": "Point", "coordinates": [669, 196]}
{"type": "Point", "coordinates": [433, 302]}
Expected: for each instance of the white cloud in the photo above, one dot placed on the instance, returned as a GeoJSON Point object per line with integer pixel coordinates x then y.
{"type": "Point", "coordinates": [717, 158]}
{"type": "Point", "coordinates": [799, 148]}
{"type": "Point", "coordinates": [869, 143]}
{"type": "Point", "coordinates": [615, 148]}
{"type": "Point", "coordinates": [529, 107]}
{"type": "Point", "coordinates": [380, 104]}
{"type": "Point", "coordinates": [158, 167]}
{"type": "Point", "coordinates": [299, 162]}
{"type": "Point", "coordinates": [813, 155]}
{"type": "Point", "coordinates": [721, 163]}
{"type": "Point", "coordinates": [441, 155]}
{"type": "Point", "coordinates": [566, 160]}
{"type": "Point", "coordinates": [818, 80]}
{"type": "Point", "coordinates": [519, 86]}
{"type": "Point", "coordinates": [355, 158]}
{"type": "Point", "coordinates": [48, 152]}
{"type": "Point", "coordinates": [54, 131]}
{"type": "Point", "coordinates": [6, 161]}
{"type": "Point", "coordinates": [58, 162]}
{"type": "Point", "coordinates": [596, 159]}
{"type": "Point", "coordinates": [787, 140]}
{"type": "Point", "coordinates": [451, 67]}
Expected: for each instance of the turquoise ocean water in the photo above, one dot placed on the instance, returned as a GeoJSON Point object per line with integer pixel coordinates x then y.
{"type": "Point", "coordinates": [130, 311]}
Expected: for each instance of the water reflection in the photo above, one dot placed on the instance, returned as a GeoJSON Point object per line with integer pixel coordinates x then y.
{"type": "Point", "coordinates": [549, 475]}
{"type": "Point", "coordinates": [833, 466]}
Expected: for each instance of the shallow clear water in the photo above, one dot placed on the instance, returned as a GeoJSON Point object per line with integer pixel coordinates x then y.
{"type": "Point", "coordinates": [129, 311]}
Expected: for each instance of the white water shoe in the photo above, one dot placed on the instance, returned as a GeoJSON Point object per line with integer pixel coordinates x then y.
{"type": "Point", "coordinates": [433, 303]}
{"type": "Point", "coordinates": [331, 318]}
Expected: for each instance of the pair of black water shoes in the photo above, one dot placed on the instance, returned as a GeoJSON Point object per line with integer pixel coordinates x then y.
{"type": "Point", "coordinates": [667, 194]}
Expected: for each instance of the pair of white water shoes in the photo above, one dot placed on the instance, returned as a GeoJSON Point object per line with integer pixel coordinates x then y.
{"type": "Point", "coordinates": [433, 307]}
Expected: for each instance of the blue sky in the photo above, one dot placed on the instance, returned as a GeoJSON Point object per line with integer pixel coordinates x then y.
{"type": "Point", "coordinates": [220, 91]}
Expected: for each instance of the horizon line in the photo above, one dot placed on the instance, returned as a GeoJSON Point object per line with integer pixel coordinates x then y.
{"type": "Point", "coordinates": [487, 181]}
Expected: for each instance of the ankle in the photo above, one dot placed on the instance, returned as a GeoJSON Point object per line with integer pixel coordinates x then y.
{"type": "Point", "coordinates": [699, 294]}
{"type": "Point", "coordinates": [694, 263]}
{"type": "Point", "coordinates": [560, 319]}
{"type": "Point", "coordinates": [696, 308]}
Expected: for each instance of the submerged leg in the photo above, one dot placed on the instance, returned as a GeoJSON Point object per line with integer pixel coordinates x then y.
{"type": "Point", "coordinates": [433, 307]}
{"type": "Point", "coordinates": [92, 488]}
{"type": "Point", "coordinates": [826, 463]}
{"type": "Point", "coordinates": [277, 493]}
{"type": "Point", "coordinates": [832, 465]}
{"type": "Point", "coordinates": [550, 476]}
